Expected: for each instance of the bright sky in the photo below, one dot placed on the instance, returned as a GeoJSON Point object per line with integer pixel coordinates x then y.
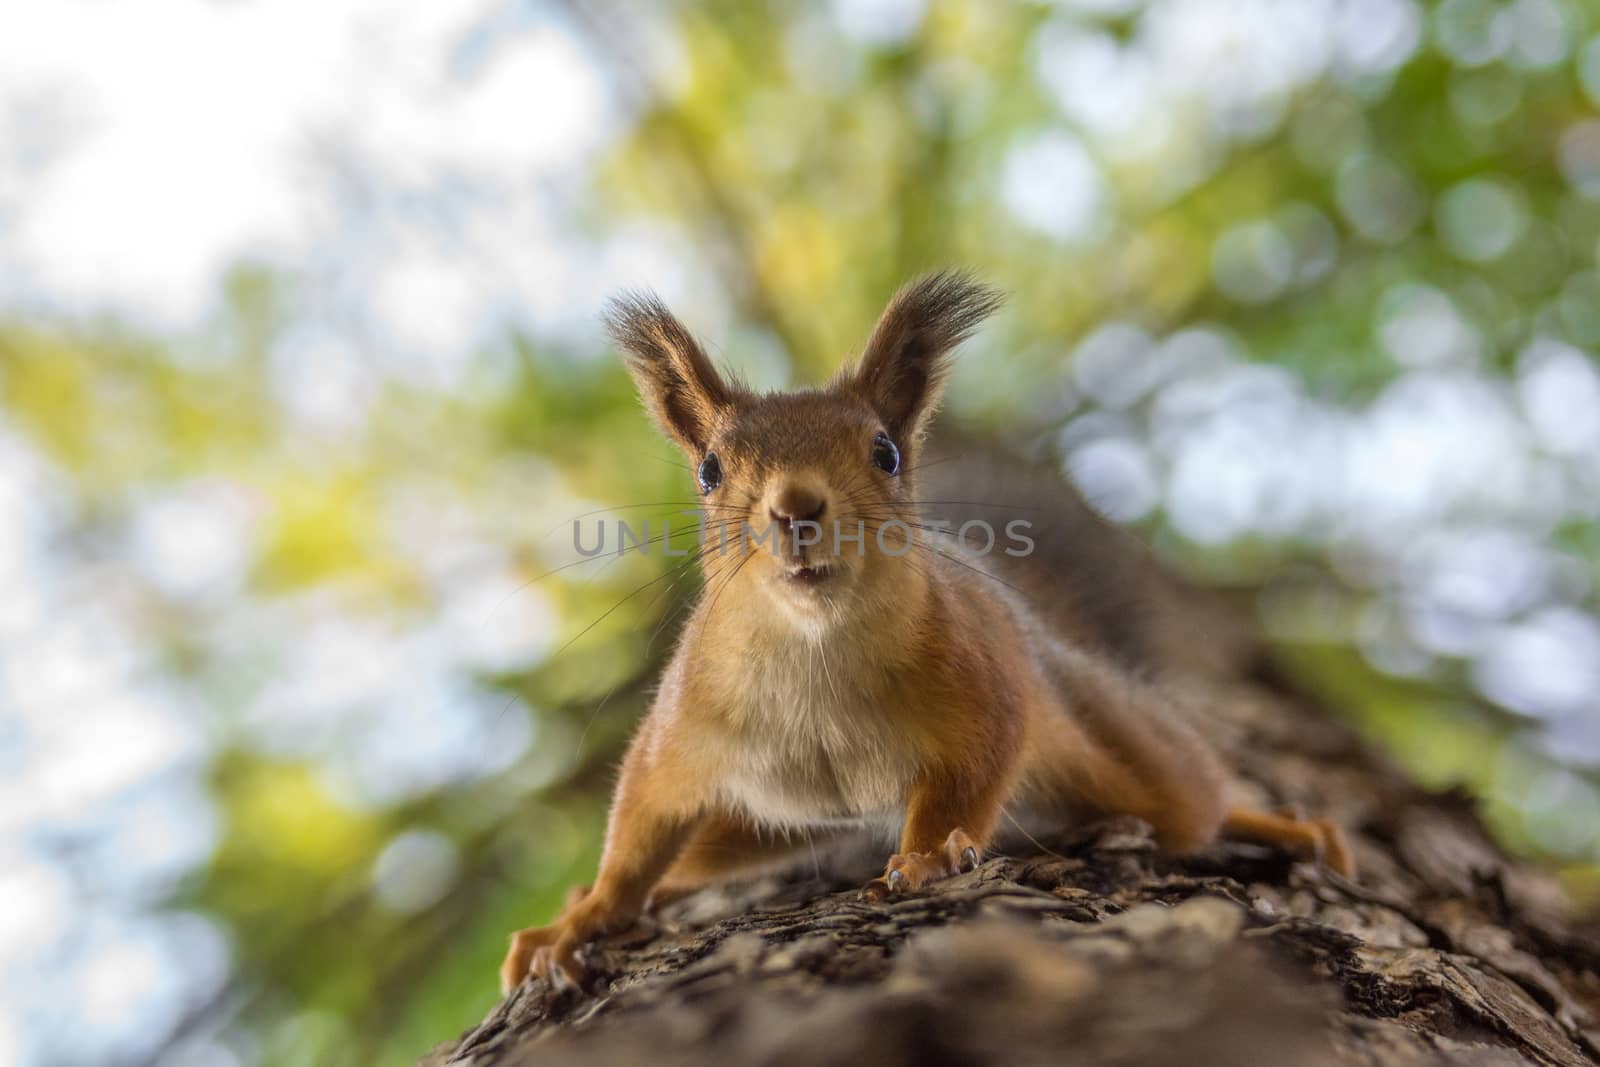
{"type": "Point", "coordinates": [416, 149]}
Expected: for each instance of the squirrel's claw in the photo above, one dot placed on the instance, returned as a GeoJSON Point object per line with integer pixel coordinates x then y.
{"type": "Point", "coordinates": [553, 952]}
{"type": "Point", "coordinates": [1334, 848]}
{"type": "Point", "coordinates": [1321, 840]}
{"type": "Point", "coordinates": [913, 870]}
{"type": "Point", "coordinates": [547, 952]}
{"type": "Point", "coordinates": [520, 958]}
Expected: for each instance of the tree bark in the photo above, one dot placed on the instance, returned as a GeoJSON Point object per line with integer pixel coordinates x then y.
{"type": "Point", "coordinates": [1094, 947]}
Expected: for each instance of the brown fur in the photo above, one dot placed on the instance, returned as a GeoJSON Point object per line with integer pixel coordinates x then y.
{"type": "Point", "coordinates": [915, 691]}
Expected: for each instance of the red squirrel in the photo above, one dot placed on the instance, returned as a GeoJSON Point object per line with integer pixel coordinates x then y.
{"type": "Point", "coordinates": [875, 675]}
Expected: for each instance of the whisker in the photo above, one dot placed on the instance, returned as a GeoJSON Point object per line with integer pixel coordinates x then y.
{"type": "Point", "coordinates": [668, 462]}
{"type": "Point", "coordinates": [913, 468]}
{"type": "Point", "coordinates": [686, 505]}
{"type": "Point", "coordinates": [923, 546]}
{"type": "Point", "coordinates": [712, 607]}
{"type": "Point", "coordinates": [606, 558]}
{"type": "Point", "coordinates": [594, 713]}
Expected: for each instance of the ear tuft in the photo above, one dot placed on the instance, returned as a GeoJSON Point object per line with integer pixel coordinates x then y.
{"type": "Point", "coordinates": [678, 384]}
{"type": "Point", "coordinates": [907, 357]}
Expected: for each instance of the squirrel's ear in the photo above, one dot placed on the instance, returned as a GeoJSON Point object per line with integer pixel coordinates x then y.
{"type": "Point", "coordinates": [683, 391]}
{"type": "Point", "coordinates": [908, 354]}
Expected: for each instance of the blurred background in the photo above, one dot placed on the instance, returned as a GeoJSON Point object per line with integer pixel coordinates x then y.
{"type": "Point", "coordinates": [302, 383]}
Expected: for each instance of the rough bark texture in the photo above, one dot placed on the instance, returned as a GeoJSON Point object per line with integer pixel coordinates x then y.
{"type": "Point", "coordinates": [1095, 948]}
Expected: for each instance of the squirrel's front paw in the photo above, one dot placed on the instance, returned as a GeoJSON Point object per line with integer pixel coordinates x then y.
{"type": "Point", "coordinates": [913, 870]}
{"type": "Point", "coordinates": [551, 952]}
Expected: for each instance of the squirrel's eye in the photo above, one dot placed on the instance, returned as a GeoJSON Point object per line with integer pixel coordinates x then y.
{"type": "Point", "coordinates": [710, 473]}
{"type": "Point", "coordinates": [885, 456]}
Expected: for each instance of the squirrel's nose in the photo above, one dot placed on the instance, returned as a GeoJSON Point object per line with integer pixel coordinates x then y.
{"type": "Point", "coordinates": [794, 504]}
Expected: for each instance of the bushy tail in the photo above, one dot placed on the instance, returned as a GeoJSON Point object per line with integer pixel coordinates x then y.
{"type": "Point", "coordinates": [1097, 584]}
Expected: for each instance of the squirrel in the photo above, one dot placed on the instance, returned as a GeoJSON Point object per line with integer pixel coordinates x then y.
{"type": "Point", "coordinates": [866, 673]}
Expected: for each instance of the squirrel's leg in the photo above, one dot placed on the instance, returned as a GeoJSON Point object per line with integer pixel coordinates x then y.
{"type": "Point", "coordinates": [948, 825]}
{"type": "Point", "coordinates": [1120, 750]}
{"type": "Point", "coordinates": [725, 845]}
{"type": "Point", "coordinates": [1320, 839]}
{"type": "Point", "coordinates": [651, 817]}
{"type": "Point", "coordinates": [1116, 747]}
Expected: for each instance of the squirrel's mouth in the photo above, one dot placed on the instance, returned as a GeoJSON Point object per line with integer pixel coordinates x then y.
{"type": "Point", "coordinates": [811, 574]}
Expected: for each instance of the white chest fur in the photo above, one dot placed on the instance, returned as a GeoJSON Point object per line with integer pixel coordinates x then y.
{"type": "Point", "coordinates": [809, 746]}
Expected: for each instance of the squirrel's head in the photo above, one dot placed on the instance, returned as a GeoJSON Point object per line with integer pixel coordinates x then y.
{"type": "Point", "coordinates": [808, 495]}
